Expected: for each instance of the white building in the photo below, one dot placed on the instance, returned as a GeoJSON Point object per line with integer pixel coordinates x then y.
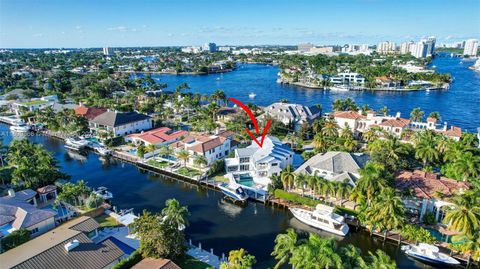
{"type": "Point", "coordinates": [406, 47]}
{"type": "Point", "coordinates": [419, 50]}
{"type": "Point", "coordinates": [292, 113]}
{"type": "Point", "coordinates": [257, 165]}
{"type": "Point", "coordinates": [386, 47]}
{"type": "Point", "coordinates": [347, 78]}
{"type": "Point", "coordinates": [430, 43]}
{"type": "Point", "coordinates": [471, 47]}
{"type": "Point", "coordinates": [107, 51]}
{"type": "Point", "coordinates": [209, 47]}
{"type": "Point", "coordinates": [121, 124]}
{"type": "Point", "coordinates": [33, 104]}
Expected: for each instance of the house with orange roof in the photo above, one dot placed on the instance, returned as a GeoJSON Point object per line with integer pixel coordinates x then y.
{"type": "Point", "coordinates": [89, 112]}
{"type": "Point", "coordinates": [212, 147]}
{"type": "Point", "coordinates": [159, 137]}
{"type": "Point", "coordinates": [427, 192]}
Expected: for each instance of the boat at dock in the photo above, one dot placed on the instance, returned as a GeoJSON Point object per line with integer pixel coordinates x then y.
{"type": "Point", "coordinates": [233, 191]}
{"type": "Point", "coordinates": [340, 88]}
{"type": "Point", "coordinates": [322, 218]}
{"type": "Point", "coordinates": [76, 143]}
{"type": "Point", "coordinates": [429, 253]}
{"type": "Point", "coordinates": [104, 193]}
{"type": "Point", "coordinates": [252, 95]}
{"type": "Point", "coordinates": [20, 127]}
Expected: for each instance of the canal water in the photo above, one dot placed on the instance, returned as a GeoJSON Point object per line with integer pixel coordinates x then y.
{"type": "Point", "coordinates": [213, 222]}
{"type": "Point", "coordinates": [458, 106]}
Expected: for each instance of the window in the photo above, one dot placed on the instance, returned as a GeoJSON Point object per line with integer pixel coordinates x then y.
{"type": "Point", "coordinates": [244, 159]}
{"type": "Point", "coordinates": [34, 231]}
{"type": "Point", "coordinates": [244, 167]}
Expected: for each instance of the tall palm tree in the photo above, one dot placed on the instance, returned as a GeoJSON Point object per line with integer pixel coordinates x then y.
{"type": "Point", "coordinates": [435, 115]}
{"type": "Point", "coordinates": [467, 165]}
{"type": "Point", "coordinates": [464, 217]}
{"type": "Point", "coordinates": [330, 128]}
{"type": "Point", "coordinates": [288, 177]}
{"type": "Point", "coordinates": [317, 251]}
{"type": "Point", "coordinates": [285, 245]}
{"type": "Point", "coordinates": [387, 212]}
{"type": "Point", "coordinates": [320, 142]}
{"type": "Point", "coordinates": [175, 214]}
{"type": "Point", "coordinates": [417, 114]}
{"type": "Point", "coordinates": [183, 155]}
{"type": "Point", "coordinates": [301, 181]}
{"type": "Point", "coordinates": [372, 181]}
{"type": "Point", "coordinates": [379, 260]}
{"type": "Point", "coordinates": [384, 110]}
{"type": "Point", "coordinates": [426, 147]}
{"type": "Point", "coordinates": [200, 160]}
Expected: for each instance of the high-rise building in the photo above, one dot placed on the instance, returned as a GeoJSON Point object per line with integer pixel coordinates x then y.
{"type": "Point", "coordinates": [471, 47]}
{"type": "Point", "coordinates": [107, 51]}
{"type": "Point", "coordinates": [210, 47]}
{"type": "Point", "coordinates": [405, 47]}
{"type": "Point", "coordinates": [430, 43]}
{"type": "Point", "coordinates": [419, 50]}
{"type": "Point", "coordinates": [304, 47]}
{"type": "Point", "coordinates": [386, 47]}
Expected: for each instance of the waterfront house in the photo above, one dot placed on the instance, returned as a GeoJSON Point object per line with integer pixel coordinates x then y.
{"type": "Point", "coordinates": [158, 137]}
{"type": "Point", "coordinates": [350, 119]}
{"type": "Point", "coordinates": [259, 163]}
{"type": "Point", "coordinates": [335, 166]}
{"type": "Point", "coordinates": [18, 210]}
{"type": "Point", "coordinates": [385, 82]}
{"type": "Point", "coordinates": [212, 147]}
{"type": "Point", "coordinates": [295, 114]}
{"type": "Point", "coordinates": [395, 126]}
{"type": "Point", "coordinates": [19, 107]}
{"type": "Point", "coordinates": [89, 112]}
{"type": "Point", "coordinates": [227, 114]}
{"type": "Point", "coordinates": [348, 78]}
{"type": "Point", "coordinates": [121, 124]}
{"type": "Point", "coordinates": [69, 246]}
{"type": "Point", "coordinates": [427, 192]}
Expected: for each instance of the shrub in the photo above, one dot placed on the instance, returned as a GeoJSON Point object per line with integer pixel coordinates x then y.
{"type": "Point", "coordinates": [15, 239]}
{"type": "Point", "coordinates": [417, 234]}
{"type": "Point", "coordinates": [129, 262]}
{"type": "Point", "coordinates": [429, 219]}
{"type": "Point", "coordinates": [217, 167]}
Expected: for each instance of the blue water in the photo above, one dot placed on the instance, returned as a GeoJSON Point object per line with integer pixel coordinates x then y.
{"type": "Point", "coordinates": [60, 211]}
{"type": "Point", "coordinates": [458, 106]}
{"type": "Point", "coordinates": [124, 247]}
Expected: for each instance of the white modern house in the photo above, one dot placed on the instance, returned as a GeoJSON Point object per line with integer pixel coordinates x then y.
{"type": "Point", "coordinates": [292, 113]}
{"type": "Point", "coordinates": [121, 124]}
{"type": "Point", "coordinates": [33, 104]}
{"type": "Point", "coordinates": [254, 165]}
{"type": "Point", "coordinates": [335, 166]}
{"type": "Point", "coordinates": [348, 78]}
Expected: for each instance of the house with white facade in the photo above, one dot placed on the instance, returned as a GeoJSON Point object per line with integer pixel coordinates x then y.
{"type": "Point", "coordinates": [292, 113]}
{"type": "Point", "coordinates": [212, 147]}
{"type": "Point", "coordinates": [257, 164]}
{"type": "Point", "coordinates": [19, 107]}
{"type": "Point", "coordinates": [335, 166]}
{"type": "Point", "coordinates": [158, 137]}
{"type": "Point", "coordinates": [348, 78]}
{"type": "Point", "coordinates": [121, 124]}
{"type": "Point", "coordinates": [426, 192]}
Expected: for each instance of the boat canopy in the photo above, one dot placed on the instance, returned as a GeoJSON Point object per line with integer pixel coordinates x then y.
{"type": "Point", "coordinates": [428, 247]}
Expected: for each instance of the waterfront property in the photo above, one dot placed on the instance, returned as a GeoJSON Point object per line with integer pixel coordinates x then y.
{"type": "Point", "coordinates": [68, 246]}
{"type": "Point", "coordinates": [295, 114]}
{"type": "Point", "coordinates": [120, 124]}
{"type": "Point", "coordinates": [335, 166]}
{"type": "Point", "coordinates": [158, 137]}
{"type": "Point", "coordinates": [18, 210]}
{"type": "Point", "coordinates": [348, 78]}
{"type": "Point", "coordinates": [89, 112]}
{"type": "Point", "coordinates": [212, 147]}
{"type": "Point", "coordinates": [255, 165]}
{"type": "Point", "coordinates": [427, 192]}
{"type": "Point", "coordinates": [20, 107]}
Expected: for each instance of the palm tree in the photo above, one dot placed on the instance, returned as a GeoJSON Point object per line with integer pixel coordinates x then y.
{"type": "Point", "coordinates": [426, 147]}
{"type": "Point", "coordinates": [384, 110]}
{"type": "Point", "coordinates": [288, 177]}
{"type": "Point", "coordinates": [338, 105]}
{"type": "Point", "coordinates": [330, 128]}
{"type": "Point", "coordinates": [467, 165]}
{"type": "Point", "coordinates": [183, 155]}
{"type": "Point", "coordinates": [417, 114]}
{"type": "Point", "coordinates": [285, 245]}
{"type": "Point", "coordinates": [175, 214]}
{"type": "Point", "coordinates": [301, 181]}
{"type": "Point", "coordinates": [464, 217]}
{"type": "Point", "coordinates": [320, 143]}
{"type": "Point", "coordinates": [372, 181]}
{"type": "Point", "coordinates": [165, 151]}
{"type": "Point", "coordinates": [379, 260]}
{"type": "Point", "coordinates": [435, 115]}
{"type": "Point", "coordinates": [200, 160]}
{"type": "Point", "coordinates": [317, 251]}
{"type": "Point", "coordinates": [387, 211]}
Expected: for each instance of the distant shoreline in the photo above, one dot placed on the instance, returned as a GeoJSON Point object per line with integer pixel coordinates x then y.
{"type": "Point", "coordinates": [303, 85]}
{"type": "Point", "coordinates": [177, 74]}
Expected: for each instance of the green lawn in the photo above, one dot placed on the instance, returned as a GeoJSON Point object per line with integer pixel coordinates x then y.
{"type": "Point", "coordinates": [34, 102]}
{"type": "Point", "coordinates": [220, 178]}
{"type": "Point", "coordinates": [158, 164]}
{"type": "Point", "coordinates": [191, 263]}
{"type": "Point", "coordinates": [187, 171]}
{"type": "Point", "coordinates": [106, 221]}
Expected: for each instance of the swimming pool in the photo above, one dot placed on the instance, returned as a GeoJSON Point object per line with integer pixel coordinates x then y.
{"type": "Point", "coordinates": [245, 180]}
{"type": "Point", "coordinates": [59, 210]}
{"type": "Point", "coordinates": [439, 236]}
{"type": "Point", "coordinates": [124, 247]}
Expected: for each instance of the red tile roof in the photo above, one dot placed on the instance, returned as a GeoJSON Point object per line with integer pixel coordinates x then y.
{"type": "Point", "coordinates": [396, 122]}
{"type": "Point", "coordinates": [159, 135]}
{"type": "Point", "coordinates": [453, 132]}
{"type": "Point", "coordinates": [425, 185]}
{"type": "Point", "coordinates": [89, 112]}
{"type": "Point", "coordinates": [352, 115]}
{"type": "Point", "coordinates": [150, 263]}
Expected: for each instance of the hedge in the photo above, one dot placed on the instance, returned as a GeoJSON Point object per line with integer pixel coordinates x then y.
{"type": "Point", "coordinates": [129, 262]}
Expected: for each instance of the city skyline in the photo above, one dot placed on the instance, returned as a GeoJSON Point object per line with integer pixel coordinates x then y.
{"type": "Point", "coordinates": [55, 24]}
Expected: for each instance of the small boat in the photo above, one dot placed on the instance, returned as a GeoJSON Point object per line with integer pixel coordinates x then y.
{"type": "Point", "coordinates": [104, 193]}
{"type": "Point", "coordinates": [235, 192]}
{"type": "Point", "coordinates": [217, 78]}
{"type": "Point", "coordinates": [429, 253]}
{"type": "Point", "coordinates": [340, 88]}
{"type": "Point", "coordinates": [322, 218]}
{"type": "Point", "coordinates": [252, 95]}
{"type": "Point", "coordinates": [75, 143]}
{"type": "Point", "coordinates": [103, 151]}
{"type": "Point", "coordinates": [20, 127]}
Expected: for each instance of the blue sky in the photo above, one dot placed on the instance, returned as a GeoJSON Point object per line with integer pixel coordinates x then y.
{"type": "Point", "coordinates": [98, 23]}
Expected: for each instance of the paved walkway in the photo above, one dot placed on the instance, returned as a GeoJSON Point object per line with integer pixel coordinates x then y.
{"type": "Point", "coordinates": [204, 256]}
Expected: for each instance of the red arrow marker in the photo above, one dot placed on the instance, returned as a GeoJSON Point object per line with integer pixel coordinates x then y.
{"type": "Point", "coordinates": [254, 121]}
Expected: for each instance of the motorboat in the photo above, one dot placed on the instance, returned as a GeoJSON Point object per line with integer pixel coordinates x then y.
{"type": "Point", "coordinates": [233, 191]}
{"type": "Point", "coordinates": [76, 143]}
{"type": "Point", "coordinates": [20, 127]}
{"type": "Point", "coordinates": [322, 218]}
{"type": "Point", "coordinates": [429, 253]}
{"type": "Point", "coordinates": [103, 151]}
{"type": "Point", "coordinates": [104, 193]}
{"type": "Point", "coordinates": [340, 88]}
{"type": "Point", "coordinates": [252, 95]}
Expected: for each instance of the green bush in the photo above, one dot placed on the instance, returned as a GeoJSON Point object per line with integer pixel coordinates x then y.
{"type": "Point", "coordinates": [133, 259]}
{"type": "Point", "coordinates": [429, 219]}
{"type": "Point", "coordinates": [15, 239]}
{"type": "Point", "coordinates": [417, 234]}
{"type": "Point", "coordinates": [217, 167]}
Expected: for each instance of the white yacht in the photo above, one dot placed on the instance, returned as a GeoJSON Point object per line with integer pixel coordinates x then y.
{"type": "Point", "coordinates": [75, 143]}
{"type": "Point", "coordinates": [233, 191]}
{"type": "Point", "coordinates": [104, 193]}
{"type": "Point", "coordinates": [252, 95]}
{"type": "Point", "coordinates": [103, 151]}
{"type": "Point", "coordinates": [322, 218]}
{"type": "Point", "coordinates": [20, 127]}
{"type": "Point", "coordinates": [429, 253]}
{"type": "Point", "coordinates": [340, 88]}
